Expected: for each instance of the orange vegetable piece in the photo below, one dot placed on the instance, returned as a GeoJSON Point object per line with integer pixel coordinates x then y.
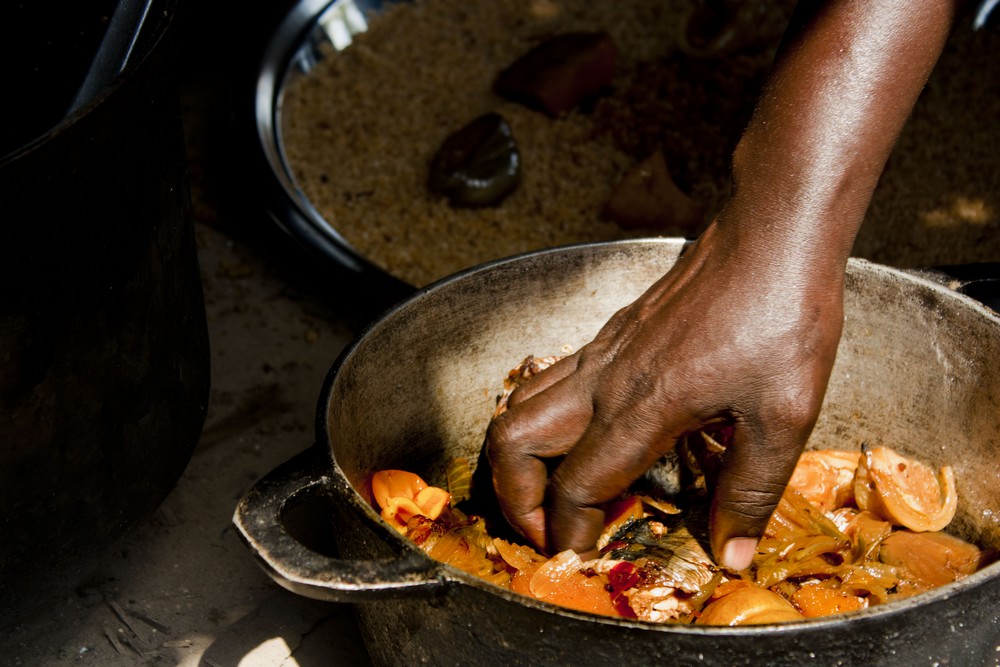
{"type": "Point", "coordinates": [403, 495]}
{"type": "Point", "coordinates": [398, 511]}
{"type": "Point", "coordinates": [388, 484]}
{"type": "Point", "coordinates": [560, 582]}
{"type": "Point", "coordinates": [432, 501]}
{"type": "Point", "coordinates": [815, 600]}
{"type": "Point", "coordinates": [520, 581]}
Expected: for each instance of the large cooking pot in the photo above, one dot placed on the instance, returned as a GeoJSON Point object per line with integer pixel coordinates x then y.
{"type": "Point", "coordinates": [915, 370]}
{"type": "Point", "coordinates": [104, 367]}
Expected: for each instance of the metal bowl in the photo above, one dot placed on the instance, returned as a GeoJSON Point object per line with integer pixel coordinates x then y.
{"type": "Point", "coordinates": [311, 32]}
{"type": "Point", "coordinates": [293, 51]}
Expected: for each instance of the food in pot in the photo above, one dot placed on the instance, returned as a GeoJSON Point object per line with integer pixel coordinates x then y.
{"type": "Point", "coordinates": [907, 492]}
{"type": "Point", "coordinates": [853, 530]}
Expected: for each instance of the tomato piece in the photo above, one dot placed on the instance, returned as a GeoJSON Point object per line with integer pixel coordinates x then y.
{"type": "Point", "coordinates": [826, 477]}
{"type": "Point", "coordinates": [560, 581]}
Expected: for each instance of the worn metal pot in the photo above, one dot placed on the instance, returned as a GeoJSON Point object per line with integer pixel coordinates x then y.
{"type": "Point", "coordinates": [916, 370]}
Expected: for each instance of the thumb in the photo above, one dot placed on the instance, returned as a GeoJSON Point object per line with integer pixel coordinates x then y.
{"type": "Point", "coordinates": [755, 471]}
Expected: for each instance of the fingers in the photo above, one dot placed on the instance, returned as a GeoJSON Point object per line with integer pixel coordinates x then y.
{"type": "Point", "coordinates": [758, 464]}
{"type": "Point", "coordinates": [608, 458]}
{"type": "Point", "coordinates": [518, 444]}
{"type": "Point", "coordinates": [542, 381]}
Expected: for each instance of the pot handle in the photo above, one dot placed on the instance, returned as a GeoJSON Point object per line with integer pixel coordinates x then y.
{"type": "Point", "coordinates": [258, 519]}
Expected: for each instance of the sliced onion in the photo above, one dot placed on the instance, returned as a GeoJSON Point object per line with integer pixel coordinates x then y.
{"type": "Point", "coordinates": [552, 573]}
{"type": "Point", "coordinates": [518, 556]}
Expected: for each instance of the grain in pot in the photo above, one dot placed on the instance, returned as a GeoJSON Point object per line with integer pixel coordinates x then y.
{"type": "Point", "coordinates": [361, 129]}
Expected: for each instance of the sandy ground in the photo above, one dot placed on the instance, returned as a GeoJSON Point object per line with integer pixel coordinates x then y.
{"type": "Point", "coordinates": [183, 590]}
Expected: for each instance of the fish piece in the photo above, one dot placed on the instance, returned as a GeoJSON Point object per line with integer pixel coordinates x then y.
{"type": "Point", "coordinates": [672, 570]}
{"type": "Point", "coordinates": [680, 559]}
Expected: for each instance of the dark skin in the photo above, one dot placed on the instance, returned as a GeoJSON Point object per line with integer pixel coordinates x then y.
{"type": "Point", "coordinates": [744, 328]}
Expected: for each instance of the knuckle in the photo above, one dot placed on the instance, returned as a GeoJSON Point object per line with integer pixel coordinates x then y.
{"type": "Point", "coordinates": [753, 509]}
{"type": "Point", "coordinates": [501, 440]}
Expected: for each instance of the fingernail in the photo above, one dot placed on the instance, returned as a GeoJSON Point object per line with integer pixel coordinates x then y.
{"type": "Point", "coordinates": [739, 552]}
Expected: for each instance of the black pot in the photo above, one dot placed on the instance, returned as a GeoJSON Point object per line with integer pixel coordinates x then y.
{"type": "Point", "coordinates": [104, 367]}
{"type": "Point", "coordinates": [916, 370]}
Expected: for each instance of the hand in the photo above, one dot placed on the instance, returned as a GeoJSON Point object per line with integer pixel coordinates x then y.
{"type": "Point", "coordinates": [729, 334]}
{"type": "Point", "coordinates": [744, 328]}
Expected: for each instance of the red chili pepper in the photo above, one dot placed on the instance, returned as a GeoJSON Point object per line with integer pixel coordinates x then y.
{"type": "Point", "coordinates": [623, 576]}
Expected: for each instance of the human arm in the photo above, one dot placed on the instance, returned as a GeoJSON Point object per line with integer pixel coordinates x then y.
{"type": "Point", "coordinates": [744, 328]}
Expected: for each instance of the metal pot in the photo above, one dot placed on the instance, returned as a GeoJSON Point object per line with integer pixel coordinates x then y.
{"type": "Point", "coordinates": [292, 51]}
{"type": "Point", "coordinates": [104, 366]}
{"type": "Point", "coordinates": [915, 370]}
